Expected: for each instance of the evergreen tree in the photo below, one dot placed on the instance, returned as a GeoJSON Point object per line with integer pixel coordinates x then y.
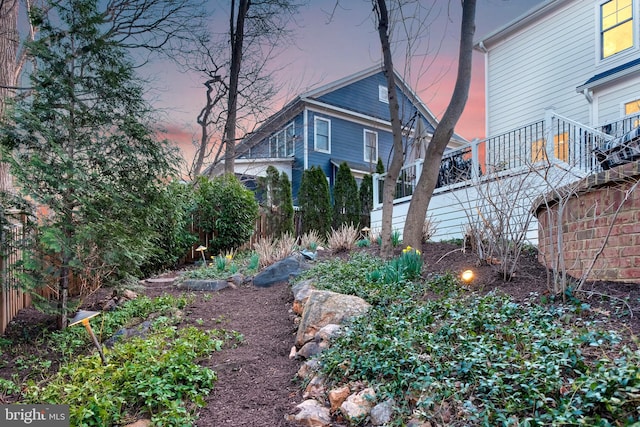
{"type": "Point", "coordinates": [286, 205]}
{"type": "Point", "coordinates": [366, 200]}
{"type": "Point", "coordinates": [83, 145]}
{"type": "Point", "coordinates": [269, 203]}
{"type": "Point", "coordinates": [346, 203]}
{"type": "Point", "coordinates": [315, 202]}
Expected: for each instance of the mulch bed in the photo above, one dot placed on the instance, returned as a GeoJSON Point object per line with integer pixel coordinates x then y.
{"type": "Point", "coordinates": [256, 385]}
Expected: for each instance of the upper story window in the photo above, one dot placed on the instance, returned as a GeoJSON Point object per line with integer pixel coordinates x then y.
{"type": "Point", "coordinates": [383, 94]}
{"type": "Point", "coordinates": [616, 26]}
{"type": "Point", "coordinates": [632, 107]}
{"type": "Point", "coordinates": [370, 146]}
{"type": "Point", "coordinates": [322, 134]}
{"type": "Point", "coordinates": [281, 143]}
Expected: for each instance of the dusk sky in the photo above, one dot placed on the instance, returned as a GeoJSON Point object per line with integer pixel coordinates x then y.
{"type": "Point", "coordinates": [329, 49]}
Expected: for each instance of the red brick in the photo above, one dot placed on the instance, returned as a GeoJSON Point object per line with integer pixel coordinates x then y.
{"type": "Point", "coordinates": [630, 250]}
{"type": "Point", "coordinates": [632, 274]}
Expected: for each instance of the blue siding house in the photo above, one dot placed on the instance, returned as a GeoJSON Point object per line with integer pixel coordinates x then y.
{"type": "Point", "coordinates": [345, 121]}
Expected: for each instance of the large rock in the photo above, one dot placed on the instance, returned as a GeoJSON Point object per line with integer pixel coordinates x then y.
{"type": "Point", "coordinates": [358, 405]}
{"type": "Point", "coordinates": [312, 413]}
{"type": "Point", "coordinates": [382, 413]}
{"type": "Point", "coordinates": [324, 308]}
{"type": "Point", "coordinates": [280, 271]}
{"type": "Point", "coordinates": [301, 292]}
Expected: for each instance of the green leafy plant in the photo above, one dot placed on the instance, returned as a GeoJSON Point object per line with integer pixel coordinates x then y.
{"type": "Point", "coordinates": [221, 263]}
{"type": "Point", "coordinates": [157, 375]}
{"type": "Point", "coordinates": [511, 361]}
{"type": "Point", "coordinates": [227, 210]}
{"type": "Point", "coordinates": [395, 238]}
{"type": "Point", "coordinates": [363, 243]}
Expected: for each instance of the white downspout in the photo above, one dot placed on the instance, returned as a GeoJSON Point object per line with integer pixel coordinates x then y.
{"type": "Point", "coordinates": [305, 137]}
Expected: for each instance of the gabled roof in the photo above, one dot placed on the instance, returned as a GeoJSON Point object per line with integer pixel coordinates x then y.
{"type": "Point", "coordinates": [532, 15]}
{"type": "Point", "coordinates": [311, 98]}
{"type": "Point", "coordinates": [610, 75]}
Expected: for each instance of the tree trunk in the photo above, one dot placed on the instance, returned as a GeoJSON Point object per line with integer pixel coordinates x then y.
{"type": "Point", "coordinates": [9, 42]}
{"type": "Point", "coordinates": [389, 188]}
{"type": "Point", "coordinates": [416, 215]}
{"type": "Point", "coordinates": [237, 41]}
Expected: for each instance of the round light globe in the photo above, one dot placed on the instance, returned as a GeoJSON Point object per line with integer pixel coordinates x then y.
{"type": "Point", "coordinates": [467, 276]}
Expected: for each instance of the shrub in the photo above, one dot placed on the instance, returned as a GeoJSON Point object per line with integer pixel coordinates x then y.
{"type": "Point", "coordinates": [174, 208]}
{"type": "Point", "coordinates": [365, 194]}
{"type": "Point", "coordinates": [227, 210]}
{"type": "Point", "coordinates": [343, 239]}
{"type": "Point", "coordinates": [346, 203]}
{"type": "Point", "coordinates": [274, 193]}
{"type": "Point", "coordinates": [310, 240]}
{"type": "Point", "coordinates": [272, 250]}
{"type": "Point", "coordinates": [315, 202]}
{"type": "Point", "coordinates": [429, 229]}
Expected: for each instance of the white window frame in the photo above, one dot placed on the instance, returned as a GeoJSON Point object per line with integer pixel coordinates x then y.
{"type": "Point", "coordinates": [383, 94]}
{"type": "Point", "coordinates": [287, 135]}
{"type": "Point", "coordinates": [364, 146]}
{"type": "Point", "coordinates": [635, 17]}
{"type": "Point", "coordinates": [315, 135]}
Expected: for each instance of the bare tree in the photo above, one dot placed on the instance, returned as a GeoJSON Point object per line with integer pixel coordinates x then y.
{"type": "Point", "coordinates": [389, 189]}
{"type": "Point", "coordinates": [238, 82]}
{"type": "Point", "coordinates": [444, 130]}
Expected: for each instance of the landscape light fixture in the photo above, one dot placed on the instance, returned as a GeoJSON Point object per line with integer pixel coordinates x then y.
{"type": "Point", "coordinates": [467, 276]}
{"type": "Point", "coordinates": [83, 316]}
{"type": "Point", "coordinates": [365, 232]}
{"type": "Point", "coordinates": [201, 249]}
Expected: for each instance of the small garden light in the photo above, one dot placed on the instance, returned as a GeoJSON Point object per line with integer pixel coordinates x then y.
{"type": "Point", "coordinates": [83, 317]}
{"type": "Point", "coordinates": [201, 249]}
{"type": "Point", "coordinates": [467, 276]}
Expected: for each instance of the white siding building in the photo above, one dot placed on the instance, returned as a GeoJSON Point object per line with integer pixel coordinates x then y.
{"type": "Point", "coordinates": [580, 58]}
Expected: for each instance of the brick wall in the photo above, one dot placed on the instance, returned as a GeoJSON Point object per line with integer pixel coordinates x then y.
{"type": "Point", "coordinates": [600, 214]}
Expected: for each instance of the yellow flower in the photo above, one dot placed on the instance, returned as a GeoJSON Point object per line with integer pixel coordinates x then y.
{"type": "Point", "coordinates": [229, 257]}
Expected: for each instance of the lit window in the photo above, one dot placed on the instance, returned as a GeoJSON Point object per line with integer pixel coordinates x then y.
{"type": "Point", "coordinates": [560, 148]}
{"type": "Point", "coordinates": [281, 143]}
{"type": "Point", "coordinates": [633, 107]}
{"type": "Point", "coordinates": [383, 94]}
{"type": "Point", "coordinates": [616, 26]}
{"type": "Point", "coordinates": [370, 146]}
{"type": "Point", "coordinates": [322, 135]}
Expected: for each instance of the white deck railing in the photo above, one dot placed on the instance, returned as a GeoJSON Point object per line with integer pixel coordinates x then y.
{"type": "Point", "coordinates": [556, 139]}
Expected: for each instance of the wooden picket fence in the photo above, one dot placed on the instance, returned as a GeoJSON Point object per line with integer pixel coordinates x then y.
{"type": "Point", "coordinates": [12, 299]}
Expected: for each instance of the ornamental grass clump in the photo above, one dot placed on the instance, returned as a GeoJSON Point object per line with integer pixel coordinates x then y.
{"type": "Point", "coordinates": [343, 239]}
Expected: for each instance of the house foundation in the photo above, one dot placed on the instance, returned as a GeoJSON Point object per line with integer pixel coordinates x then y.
{"type": "Point", "coordinates": [591, 228]}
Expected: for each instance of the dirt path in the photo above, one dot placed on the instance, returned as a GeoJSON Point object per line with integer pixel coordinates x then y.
{"type": "Point", "coordinates": [255, 379]}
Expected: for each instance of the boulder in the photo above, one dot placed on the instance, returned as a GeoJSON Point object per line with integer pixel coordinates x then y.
{"type": "Point", "coordinates": [301, 292]}
{"type": "Point", "coordinates": [308, 368]}
{"type": "Point", "coordinates": [324, 308]}
{"type": "Point", "coordinates": [279, 271]}
{"type": "Point", "coordinates": [337, 396]}
{"type": "Point", "coordinates": [358, 405]}
{"type": "Point", "coordinates": [381, 413]}
{"type": "Point", "coordinates": [312, 414]}
{"type": "Point", "coordinates": [315, 389]}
